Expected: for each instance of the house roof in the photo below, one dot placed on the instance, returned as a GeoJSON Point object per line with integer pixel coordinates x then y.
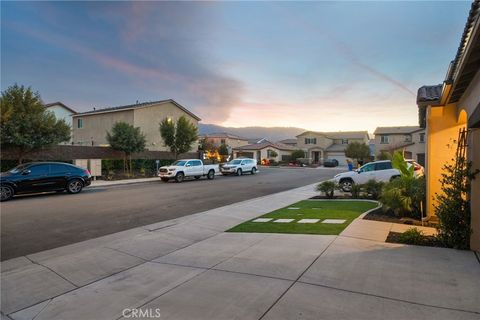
{"type": "Point", "coordinates": [223, 135]}
{"type": "Point", "coordinates": [397, 130]}
{"type": "Point", "coordinates": [339, 134]}
{"type": "Point", "coordinates": [266, 144]}
{"type": "Point", "coordinates": [337, 147]}
{"type": "Point", "coordinates": [58, 103]}
{"type": "Point", "coordinates": [288, 141]}
{"type": "Point", "coordinates": [429, 94]}
{"type": "Point", "coordinates": [138, 106]}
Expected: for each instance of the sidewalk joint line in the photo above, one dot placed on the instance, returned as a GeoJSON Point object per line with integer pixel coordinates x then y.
{"type": "Point", "coordinates": [296, 280]}
{"type": "Point", "coordinates": [388, 298]}
{"type": "Point", "coordinates": [47, 267]}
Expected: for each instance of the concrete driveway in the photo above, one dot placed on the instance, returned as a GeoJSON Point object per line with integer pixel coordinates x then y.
{"type": "Point", "coordinates": [190, 269]}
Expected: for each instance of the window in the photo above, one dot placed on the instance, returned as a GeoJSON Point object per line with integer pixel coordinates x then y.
{"type": "Point", "coordinates": [79, 123]}
{"type": "Point", "coordinates": [310, 140]}
{"type": "Point", "coordinates": [39, 170]}
{"type": "Point", "coordinates": [384, 139]}
{"type": "Point", "coordinates": [222, 141]}
{"type": "Point", "coordinates": [195, 163]}
{"type": "Point", "coordinates": [408, 138]}
{"type": "Point", "coordinates": [422, 137]}
{"type": "Point", "coordinates": [344, 141]}
{"type": "Point", "coordinates": [383, 166]}
{"type": "Point", "coordinates": [368, 167]}
{"type": "Point", "coordinates": [59, 168]}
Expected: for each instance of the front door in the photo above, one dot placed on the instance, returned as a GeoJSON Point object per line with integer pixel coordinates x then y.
{"type": "Point", "coordinates": [421, 159]}
{"type": "Point", "coordinates": [316, 156]}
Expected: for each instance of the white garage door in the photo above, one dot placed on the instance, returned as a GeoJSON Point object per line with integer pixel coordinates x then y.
{"type": "Point", "coordinates": [339, 156]}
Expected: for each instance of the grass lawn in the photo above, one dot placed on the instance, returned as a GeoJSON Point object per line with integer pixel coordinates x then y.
{"type": "Point", "coordinates": [309, 209]}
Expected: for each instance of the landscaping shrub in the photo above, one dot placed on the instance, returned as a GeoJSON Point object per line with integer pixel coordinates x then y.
{"type": "Point", "coordinates": [373, 188]}
{"type": "Point", "coordinates": [412, 236]}
{"type": "Point", "coordinates": [356, 190]}
{"type": "Point", "coordinates": [327, 187]}
{"type": "Point", "coordinates": [404, 196]}
{"type": "Point", "coordinates": [453, 205]}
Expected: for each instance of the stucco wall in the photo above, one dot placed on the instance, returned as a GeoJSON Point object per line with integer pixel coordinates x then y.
{"type": "Point", "coordinates": [62, 114]}
{"type": "Point", "coordinates": [149, 118]}
{"type": "Point", "coordinates": [233, 143]}
{"type": "Point", "coordinates": [322, 141]}
{"type": "Point", "coordinates": [264, 153]}
{"type": "Point", "coordinates": [96, 126]}
{"type": "Point", "coordinates": [396, 140]}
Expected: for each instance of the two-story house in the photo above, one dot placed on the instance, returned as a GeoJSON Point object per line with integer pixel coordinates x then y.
{"type": "Point", "coordinates": [408, 139]}
{"type": "Point", "coordinates": [90, 128]}
{"type": "Point", "coordinates": [319, 146]}
{"type": "Point", "coordinates": [61, 112]}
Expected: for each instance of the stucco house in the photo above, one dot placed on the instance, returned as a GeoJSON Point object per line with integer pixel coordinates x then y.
{"type": "Point", "coordinates": [319, 146]}
{"type": "Point", "coordinates": [408, 139]}
{"type": "Point", "coordinates": [90, 128]}
{"type": "Point", "coordinates": [290, 142]}
{"type": "Point", "coordinates": [263, 150]}
{"type": "Point", "coordinates": [228, 139]}
{"type": "Point", "coordinates": [61, 112]}
{"type": "Point", "coordinates": [448, 109]}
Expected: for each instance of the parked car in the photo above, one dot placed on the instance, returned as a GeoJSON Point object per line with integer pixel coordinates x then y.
{"type": "Point", "coordinates": [239, 166]}
{"type": "Point", "coordinates": [42, 177]}
{"type": "Point", "coordinates": [186, 168]}
{"type": "Point", "coordinates": [417, 168]}
{"type": "Point", "coordinates": [330, 163]}
{"type": "Point", "coordinates": [377, 170]}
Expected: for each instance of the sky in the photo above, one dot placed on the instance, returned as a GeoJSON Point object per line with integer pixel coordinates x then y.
{"type": "Point", "coordinates": [323, 66]}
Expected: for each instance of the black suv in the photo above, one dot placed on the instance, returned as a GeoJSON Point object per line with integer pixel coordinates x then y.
{"type": "Point", "coordinates": [42, 177]}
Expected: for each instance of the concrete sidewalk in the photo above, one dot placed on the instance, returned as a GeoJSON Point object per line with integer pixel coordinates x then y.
{"type": "Point", "coordinates": [107, 183]}
{"type": "Point", "coordinates": [189, 268]}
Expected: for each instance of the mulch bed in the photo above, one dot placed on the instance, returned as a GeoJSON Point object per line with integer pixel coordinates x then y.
{"type": "Point", "coordinates": [383, 216]}
{"type": "Point", "coordinates": [427, 241]}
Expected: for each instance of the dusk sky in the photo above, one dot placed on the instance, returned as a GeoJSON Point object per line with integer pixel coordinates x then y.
{"type": "Point", "coordinates": [323, 66]}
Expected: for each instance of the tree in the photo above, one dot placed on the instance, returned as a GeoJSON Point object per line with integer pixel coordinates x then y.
{"type": "Point", "coordinates": [358, 151]}
{"type": "Point", "coordinates": [384, 155]}
{"type": "Point", "coordinates": [125, 137]}
{"type": "Point", "coordinates": [26, 125]}
{"type": "Point", "coordinates": [179, 136]}
{"type": "Point", "coordinates": [272, 154]}
{"type": "Point", "coordinates": [296, 154]}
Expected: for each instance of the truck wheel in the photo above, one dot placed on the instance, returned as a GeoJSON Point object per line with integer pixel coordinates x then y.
{"type": "Point", "coordinates": [165, 179]}
{"type": "Point", "coordinates": [211, 175]}
{"type": "Point", "coordinates": [254, 170]}
{"type": "Point", "coordinates": [179, 177]}
{"type": "Point", "coordinates": [346, 185]}
{"type": "Point", "coordinates": [197, 177]}
{"type": "Point", "coordinates": [239, 172]}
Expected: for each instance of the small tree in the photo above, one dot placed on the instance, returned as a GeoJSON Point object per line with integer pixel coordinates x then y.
{"type": "Point", "coordinates": [26, 125]}
{"type": "Point", "coordinates": [125, 137]}
{"type": "Point", "coordinates": [358, 151]}
{"type": "Point", "coordinates": [223, 151]}
{"type": "Point", "coordinates": [296, 154]}
{"type": "Point", "coordinates": [328, 187]}
{"type": "Point", "coordinates": [272, 154]}
{"type": "Point", "coordinates": [179, 136]}
{"type": "Point", "coordinates": [384, 155]}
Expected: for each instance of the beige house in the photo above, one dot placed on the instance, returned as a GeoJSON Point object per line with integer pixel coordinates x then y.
{"type": "Point", "coordinates": [408, 139]}
{"type": "Point", "coordinates": [61, 112]}
{"type": "Point", "coordinates": [230, 140]}
{"type": "Point", "coordinates": [319, 146]}
{"type": "Point", "coordinates": [265, 150]}
{"type": "Point", "coordinates": [290, 142]}
{"type": "Point", "coordinates": [90, 128]}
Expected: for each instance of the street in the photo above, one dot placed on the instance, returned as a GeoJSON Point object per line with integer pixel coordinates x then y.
{"type": "Point", "coordinates": [39, 222]}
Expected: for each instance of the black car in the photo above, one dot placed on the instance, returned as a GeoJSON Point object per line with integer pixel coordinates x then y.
{"type": "Point", "coordinates": [330, 163]}
{"type": "Point", "coordinates": [42, 177]}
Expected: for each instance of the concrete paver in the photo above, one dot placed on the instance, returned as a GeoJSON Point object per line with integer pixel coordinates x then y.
{"type": "Point", "coordinates": [367, 229]}
{"type": "Point", "coordinates": [208, 253]}
{"type": "Point", "coordinates": [29, 285]}
{"type": "Point", "coordinates": [278, 255]}
{"type": "Point", "coordinates": [304, 301]}
{"type": "Point", "coordinates": [220, 295]}
{"type": "Point", "coordinates": [107, 298]}
{"type": "Point", "coordinates": [433, 276]}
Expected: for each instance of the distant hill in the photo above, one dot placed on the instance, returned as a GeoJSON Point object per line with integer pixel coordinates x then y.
{"type": "Point", "coordinates": [273, 133]}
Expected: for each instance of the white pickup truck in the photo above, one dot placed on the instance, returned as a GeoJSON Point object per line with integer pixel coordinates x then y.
{"type": "Point", "coordinates": [185, 168]}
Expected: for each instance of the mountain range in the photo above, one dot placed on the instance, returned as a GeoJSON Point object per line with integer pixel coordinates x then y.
{"type": "Point", "coordinates": [270, 133]}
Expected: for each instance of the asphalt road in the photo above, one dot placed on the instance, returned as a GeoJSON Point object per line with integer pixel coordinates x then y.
{"type": "Point", "coordinates": [35, 223]}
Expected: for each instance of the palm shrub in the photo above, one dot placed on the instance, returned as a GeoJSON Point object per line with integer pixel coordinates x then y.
{"type": "Point", "coordinates": [453, 205]}
{"type": "Point", "coordinates": [373, 188]}
{"type": "Point", "coordinates": [356, 190]}
{"type": "Point", "coordinates": [328, 187]}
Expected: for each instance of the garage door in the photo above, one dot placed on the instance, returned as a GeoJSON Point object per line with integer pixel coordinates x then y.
{"type": "Point", "coordinates": [339, 156]}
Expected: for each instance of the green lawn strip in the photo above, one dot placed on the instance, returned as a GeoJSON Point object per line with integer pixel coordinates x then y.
{"type": "Point", "coordinates": [308, 209]}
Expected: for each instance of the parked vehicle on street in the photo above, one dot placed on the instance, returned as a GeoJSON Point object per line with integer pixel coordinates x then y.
{"type": "Point", "coordinates": [330, 163]}
{"type": "Point", "coordinates": [187, 168]}
{"type": "Point", "coordinates": [37, 177]}
{"type": "Point", "coordinates": [417, 168]}
{"type": "Point", "coordinates": [381, 171]}
{"type": "Point", "coordinates": [239, 166]}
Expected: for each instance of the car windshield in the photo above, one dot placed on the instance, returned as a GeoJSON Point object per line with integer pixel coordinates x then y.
{"type": "Point", "coordinates": [18, 169]}
{"type": "Point", "coordinates": [235, 162]}
{"type": "Point", "coordinates": [180, 163]}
